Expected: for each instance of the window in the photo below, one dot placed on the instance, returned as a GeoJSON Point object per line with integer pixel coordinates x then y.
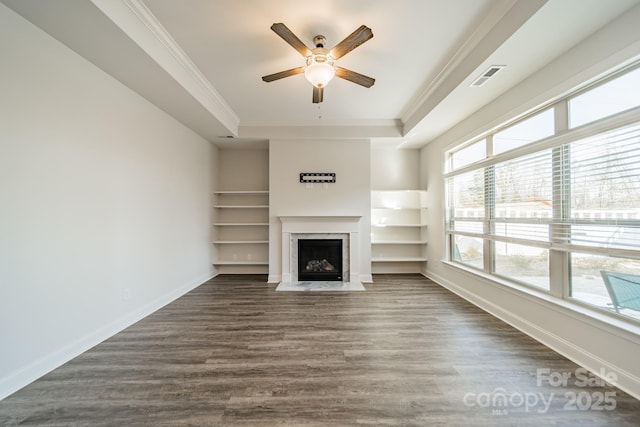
{"type": "Point", "coordinates": [526, 264]}
{"type": "Point", "coordinates": [562, 213]}
{"type": "Point", "coordinates": [521, 217]}
{"type": "Point", "coordinates": [587, 281]}
{"type": "Point", "coordinates": [468, 216]}
{"type": "Point", "coordinates": [617, 95]}
{"type": "Point", "coordinates": [469, 154]}
{"type": "Point", "coordinates": [522, 133]}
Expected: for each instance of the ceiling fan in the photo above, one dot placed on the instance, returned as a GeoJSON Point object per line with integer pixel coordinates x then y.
{"type": "Point", "coordinates": [320, 65]}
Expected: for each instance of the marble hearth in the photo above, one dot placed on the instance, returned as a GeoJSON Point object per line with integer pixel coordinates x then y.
{"type": "Point", "coordinates": [345, 228]}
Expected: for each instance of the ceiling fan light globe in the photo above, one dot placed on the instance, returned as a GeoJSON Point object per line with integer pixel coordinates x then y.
{"type": "Point", "coordinates": [319, 74]}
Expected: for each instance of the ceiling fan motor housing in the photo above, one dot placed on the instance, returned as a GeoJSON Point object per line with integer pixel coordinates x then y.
{"type": "Point", "coordinates": [319, 41]}
{"type": "Point", "coordinates": [320, 55]}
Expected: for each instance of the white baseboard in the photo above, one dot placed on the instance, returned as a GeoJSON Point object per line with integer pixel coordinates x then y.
{"type": "Point", "coordinates": [34, 370]}
{"type": "Point", "coordinates": [626, 381]}
{"type": "Point", "coordinates": [274, 278]}
{"type": "Point", "coordinates": [366, 278]}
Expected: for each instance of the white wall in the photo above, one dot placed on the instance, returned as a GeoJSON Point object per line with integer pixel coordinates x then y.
{"type": "Point", "coordinates": [105, 205]}
{"type": "Point", "coordinates": [393, 168]}
{"type": "Point", "coordinates": [349, 195]}
{"type": "Point", "coordinates": [594, 343]}
{"type": "Point", "coordinates": [243, 169]}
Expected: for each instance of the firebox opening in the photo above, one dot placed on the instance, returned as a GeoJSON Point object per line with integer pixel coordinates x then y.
{"type": "Point", "coordinates": [320, 259]}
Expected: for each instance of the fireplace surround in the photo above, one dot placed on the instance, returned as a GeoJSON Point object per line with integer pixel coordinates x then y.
{"type": "Point", "coordinates": [344, 228]}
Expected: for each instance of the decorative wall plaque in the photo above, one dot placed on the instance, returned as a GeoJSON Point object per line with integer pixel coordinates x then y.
{"type": "Point", "coordinates": [317, 177]}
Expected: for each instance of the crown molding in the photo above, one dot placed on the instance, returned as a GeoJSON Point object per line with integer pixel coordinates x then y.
{"type": "Point", "coordinates": [496, 13]}
{"type": "Point", "coordinates": [501, 21]}
{"type": "Point", "coordinates": [138, 23]}
{"type": "Point", "coordinates": [326, 123]}
{"type": "Point", "coordinates": [340, 130]}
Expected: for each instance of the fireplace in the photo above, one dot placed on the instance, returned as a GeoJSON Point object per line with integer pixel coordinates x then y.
{"type": "Point", "coordinates": [320, 259]}
{"type": "Point", "coordinates": [295, 228]}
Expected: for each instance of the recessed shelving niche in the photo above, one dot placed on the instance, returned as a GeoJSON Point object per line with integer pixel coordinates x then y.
{"type": "Point", "coordinates": [240, 206]}
{"type": "Point", "coordinates": [241, 231]}
{"type": "Point", "coordinates": [398, 231]}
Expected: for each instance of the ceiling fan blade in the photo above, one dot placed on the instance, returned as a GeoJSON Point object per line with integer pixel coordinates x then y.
{"type": "Point", "coordinates": [283, 74]}
{"type": "Point", "coordinates": [354, 77]}
{"type": "Point", "coordinates": [352, 41]}
{"type": "Point", "coordinates": [288, 36]}
{"type": "Point", "coordinates": [318, 94]}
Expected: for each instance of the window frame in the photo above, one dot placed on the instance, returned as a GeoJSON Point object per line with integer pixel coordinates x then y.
{"type": "Point", "coordinates": [560, 249]}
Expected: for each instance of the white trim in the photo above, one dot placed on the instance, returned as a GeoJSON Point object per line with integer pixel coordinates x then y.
{"type": "Point", "coordinates": [305, 130]}
{"type": "Point", "coordinates": [366, 278]}
{"type": "Point", "coordinates": [626, 381]}
{"type": "Point", "coordinates": [495, 15]}
{"type": "Point", "coordinates": [34, 370]}
{"type": "Point", "coordinates": [292, 225]}
{"type": "Point", "coordinates": [500, 23]}
{"type": "Point", "coordinates": [623, 328]}
{"type": "Point", "coordinates": [274, 278]}
{"type": "Point", "coordinates": [609, 52]}
{"type": "Point", "coordinates": [137, 22]}
{"type": "Point", "coordinates": [624, 119]}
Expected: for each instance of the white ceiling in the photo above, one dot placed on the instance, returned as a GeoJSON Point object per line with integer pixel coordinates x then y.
{"type": "Point", "coordinates": [201, 60]}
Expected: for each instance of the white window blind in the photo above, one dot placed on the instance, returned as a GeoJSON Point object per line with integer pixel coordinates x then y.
{"type": "Point", "coordinates": [585, 193]}
{"type": "Point", "coordinates": [522, 203]}
{"type": "Point", "coordinates": [604, 207]}
{"type": "Point", "coordinates": [550, 205]}
{"type": "Point", "coordinates": [466, 202]}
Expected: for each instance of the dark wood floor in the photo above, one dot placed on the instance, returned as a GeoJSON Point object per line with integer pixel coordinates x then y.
{"type": "Point", "coordinates": [234, 352]}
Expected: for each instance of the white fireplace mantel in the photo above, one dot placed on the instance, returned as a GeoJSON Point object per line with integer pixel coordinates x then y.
{"type": "Point", "coordinates": [320, 224]}
{"type": "Point", "coordinates": [347, 225]}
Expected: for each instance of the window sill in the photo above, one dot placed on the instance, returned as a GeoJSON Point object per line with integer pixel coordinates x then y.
{"type": "Point", "coordinates": [624, 328]}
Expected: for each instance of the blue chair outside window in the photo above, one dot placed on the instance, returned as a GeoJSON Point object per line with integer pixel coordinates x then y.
{"type": "Point", "coordinates": [624, 289]}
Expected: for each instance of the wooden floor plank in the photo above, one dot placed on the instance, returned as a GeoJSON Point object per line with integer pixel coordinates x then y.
{"type": "Point", "coordinates": [234, 352]}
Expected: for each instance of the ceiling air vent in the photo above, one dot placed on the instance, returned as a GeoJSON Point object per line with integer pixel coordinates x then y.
{"type": "Point", "coordinates": [491, 71]}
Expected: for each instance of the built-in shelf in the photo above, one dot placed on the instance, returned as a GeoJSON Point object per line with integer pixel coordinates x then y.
{"type": "Point", "coordinates": [241, 206]}
{"type": "Point", "coordinates": [241, 230]}
{"type": "Point", "coordinates": [225, 262]}
{"type": "Point", "coordinates": [240, 224]}
{"type": "Point", "coordinates": [242, 192]}
{"type": "Point", "coordinates": [240, 242]}
{"type": "Point", "coordinates": [400, 259]}
{"type": "Point", "coordinates": [397, 225]}
{"type": "Point", "coordinates": [399, 242]}
{"type": "Point", "coordinates": [398, 230]}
